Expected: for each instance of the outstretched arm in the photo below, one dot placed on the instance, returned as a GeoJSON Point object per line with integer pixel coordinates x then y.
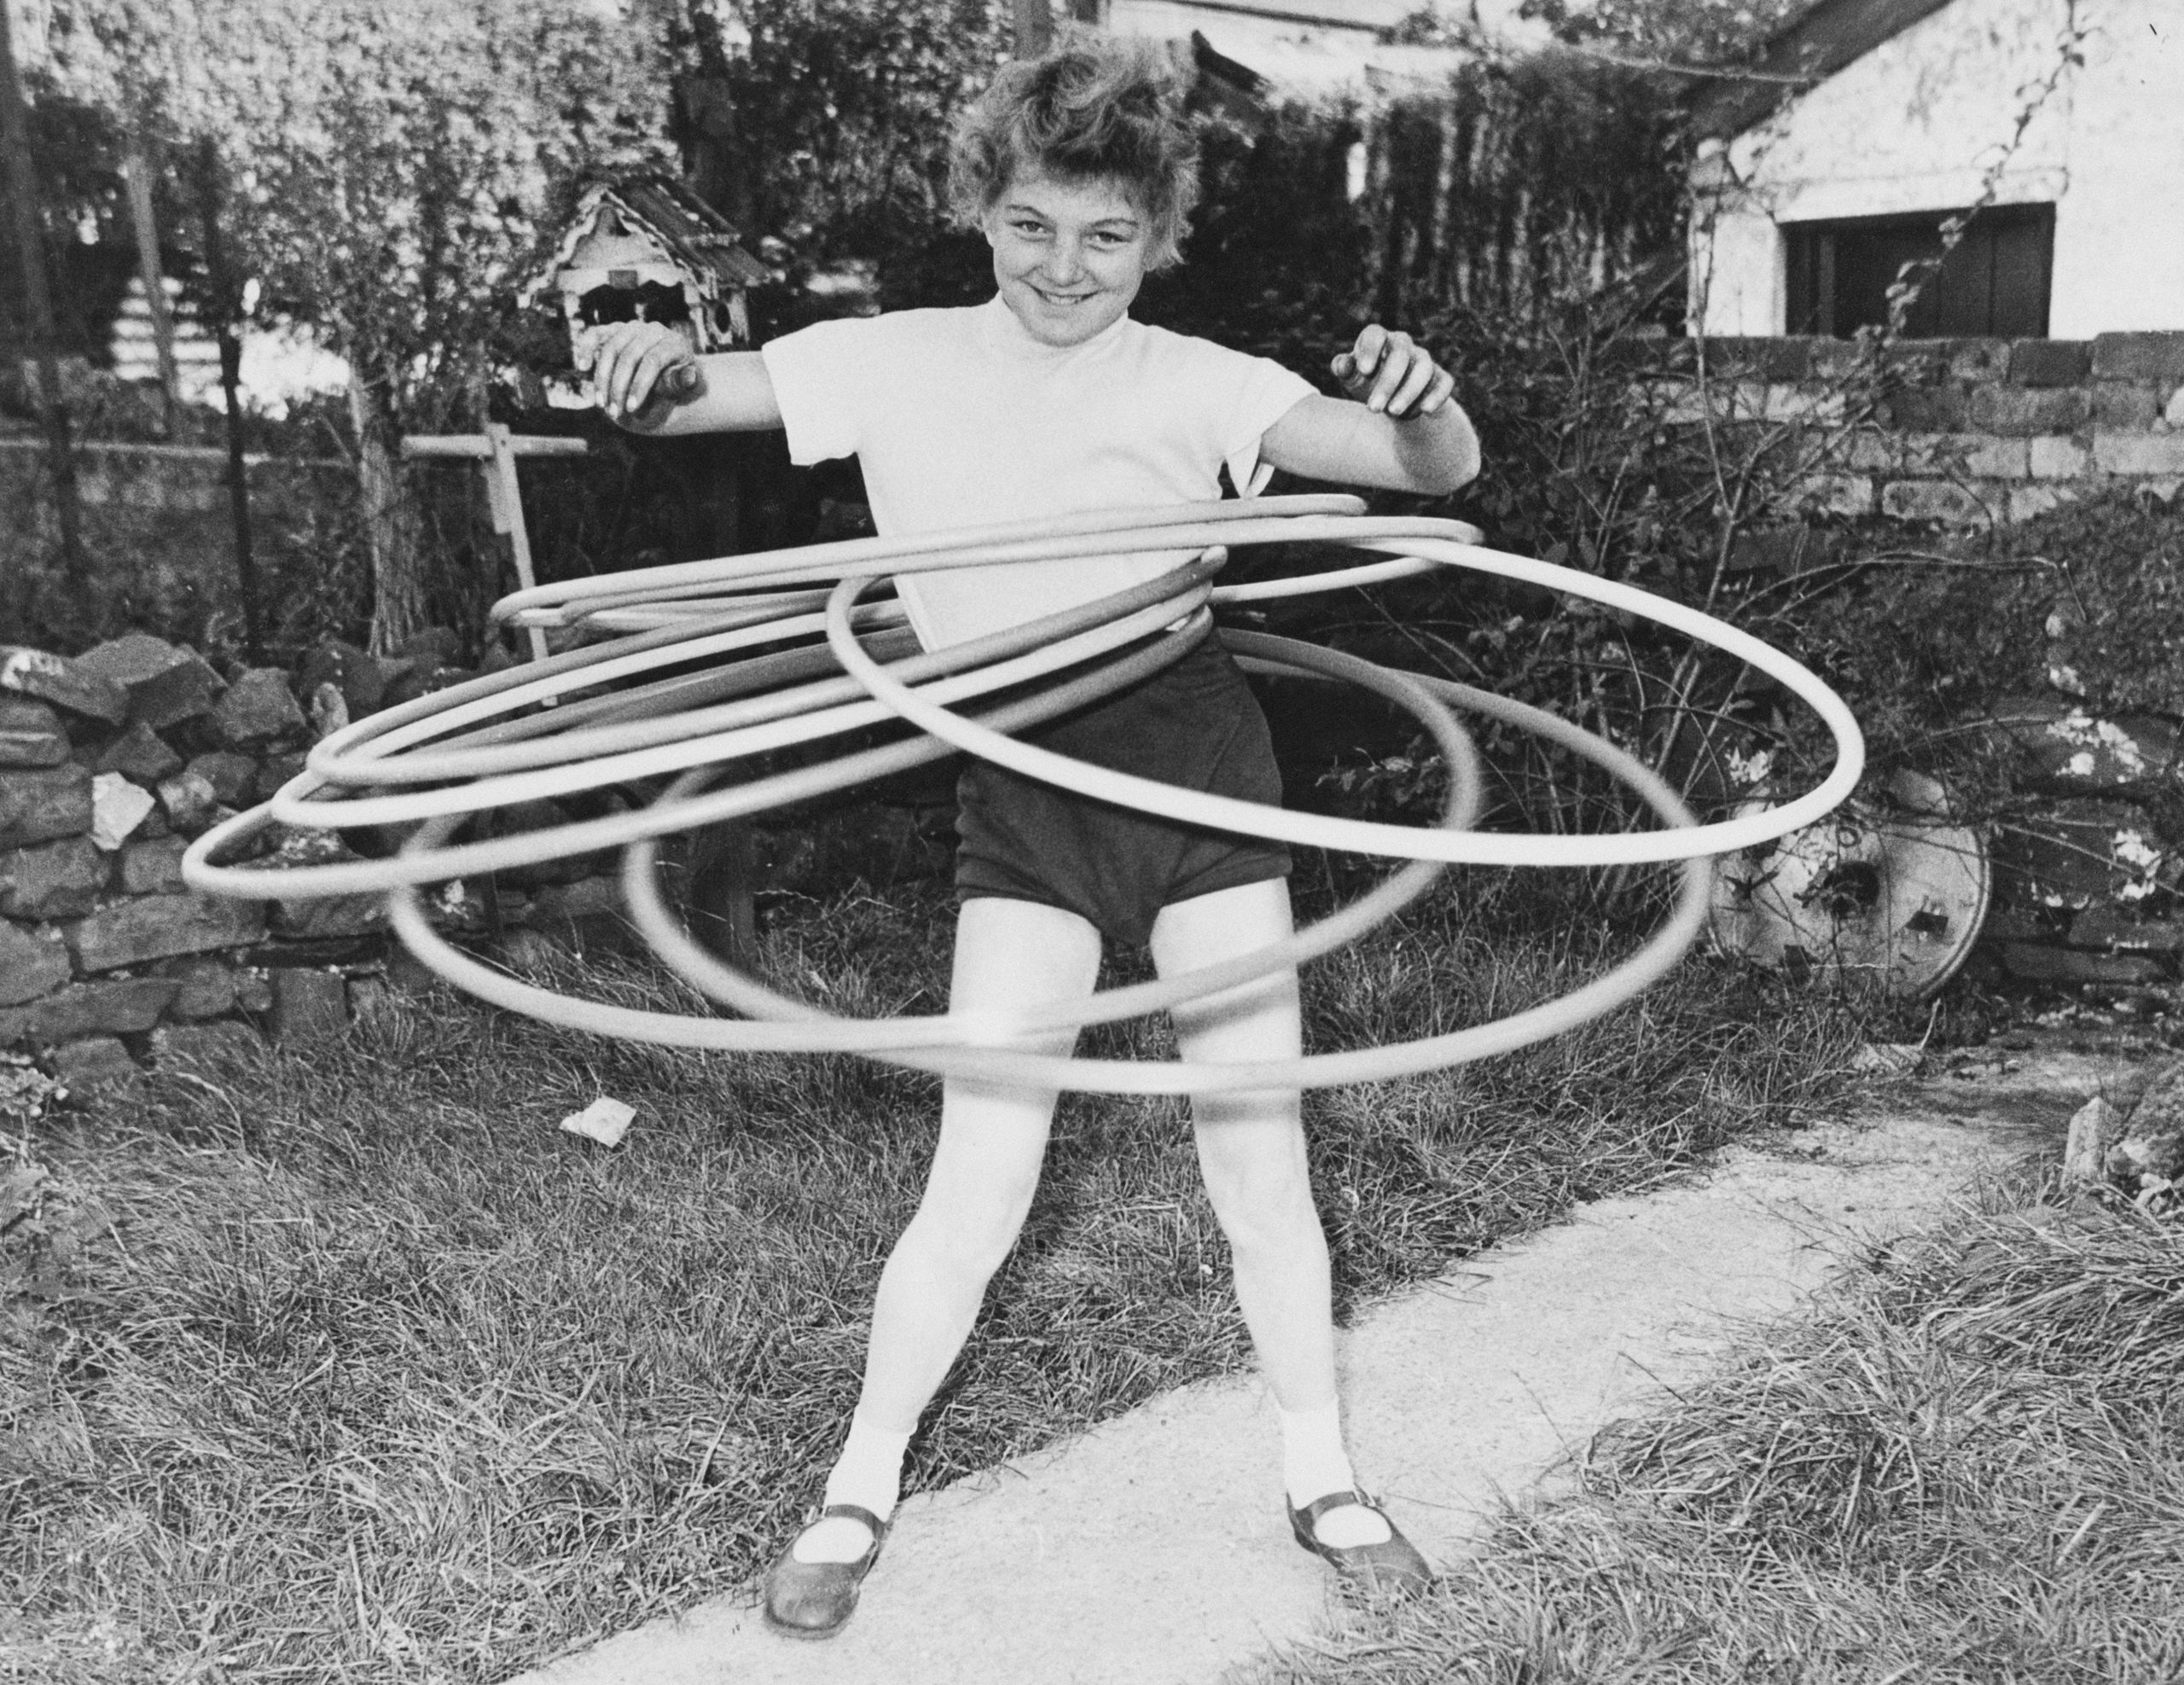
{"type": "Point", "coordinates": [646, 378]}
{"type": "Point", "coordinates": [1400, 428]}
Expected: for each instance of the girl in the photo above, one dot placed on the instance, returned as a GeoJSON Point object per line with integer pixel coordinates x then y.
{"type": "Point", "coordinates": [1079, 168]}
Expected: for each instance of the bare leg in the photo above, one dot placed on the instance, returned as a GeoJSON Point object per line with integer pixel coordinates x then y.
{"type": "Point", "coordinates": [1009, 955]}
{"type": "Point", "coordinates": [1251, 1149]}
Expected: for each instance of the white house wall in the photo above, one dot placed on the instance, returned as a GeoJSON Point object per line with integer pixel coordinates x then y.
{"type": "Point", "coordinates": [1923, 121]}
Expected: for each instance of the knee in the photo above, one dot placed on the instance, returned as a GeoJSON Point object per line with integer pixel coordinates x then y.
{"type": "Point", "coordinates": [969, 1235]}
{"type": "Point", "coordinates": [1265, 1207]}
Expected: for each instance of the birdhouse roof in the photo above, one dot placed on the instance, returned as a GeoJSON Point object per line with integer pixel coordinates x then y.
{"type": "Point", "coordinates": [658, 208]}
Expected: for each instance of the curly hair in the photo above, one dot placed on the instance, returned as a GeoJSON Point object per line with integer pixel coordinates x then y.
{"type": "Point", "coordinates": [1095, 107]}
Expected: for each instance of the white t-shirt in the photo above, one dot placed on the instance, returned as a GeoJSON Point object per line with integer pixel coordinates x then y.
{"type": "Point", "coordinates": [960, 418]}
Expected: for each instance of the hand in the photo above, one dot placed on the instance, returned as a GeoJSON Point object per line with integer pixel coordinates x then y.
{"type": "Point", "coordinates": [639, 370]}
{"type": "Point", "coordinates": [1391, 372]}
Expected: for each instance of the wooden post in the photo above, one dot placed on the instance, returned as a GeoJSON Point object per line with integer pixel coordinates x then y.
{"type": "Point", "coordinates": [495, 451]}
{"type": "Point", "coordinates": [136, 167]}
{"type": "Point", "coordinates": [508, 518]}
{"type": "Point", "coordinates": [37, 301]}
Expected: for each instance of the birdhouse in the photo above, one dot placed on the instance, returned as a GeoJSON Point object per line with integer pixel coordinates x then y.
{"type": "Point", "coordinates": [646, 248]}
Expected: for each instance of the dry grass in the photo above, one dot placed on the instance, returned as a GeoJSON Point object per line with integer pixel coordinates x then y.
{"type": "Point", "coordinates": [1964, 1464]}
{"type": "Point", "coordinates": [376, 1375]}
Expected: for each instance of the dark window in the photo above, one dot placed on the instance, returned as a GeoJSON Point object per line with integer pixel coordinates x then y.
{"type": "Point", "coordinates": [1995, 282]}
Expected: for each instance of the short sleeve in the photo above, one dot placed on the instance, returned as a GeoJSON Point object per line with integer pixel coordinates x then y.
{"type": "Point", "coordinates": [1264, 392]}
{"type": "Point", "coordinates": [821, 379]}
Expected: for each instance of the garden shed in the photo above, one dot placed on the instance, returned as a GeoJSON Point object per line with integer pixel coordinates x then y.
{"type": "Point", "coordinates": [1869, 122]}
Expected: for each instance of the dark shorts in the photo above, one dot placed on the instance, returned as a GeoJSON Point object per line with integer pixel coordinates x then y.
{"type": "Point", "coordinates": [1195, 725]}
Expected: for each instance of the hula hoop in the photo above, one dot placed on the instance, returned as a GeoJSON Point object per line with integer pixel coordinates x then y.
{"type": "Point", "coordinates": [445, 758]}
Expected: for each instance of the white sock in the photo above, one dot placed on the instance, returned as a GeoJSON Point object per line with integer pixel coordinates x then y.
{"type": "Point", "coordinates": [1313, 1464]}
{"type": "Point", "coordinates": [868, 1473]}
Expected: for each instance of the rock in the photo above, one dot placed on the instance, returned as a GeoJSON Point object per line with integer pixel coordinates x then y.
{"type": "Point", "coordinates": [30, 965]}
{"type": "Point", "coordinates": [139, 753]}
{"type": "Point", "coordinates": [205, 1047]}
{"type": "Point", "coordinates": [308, 1005]}
{"type": "Point", "coordinates": [2160, 1109]}
{"type": "Point", "coordinates": [2093, 1129]}
{"type": "Point", "coordinates": [98, 1067]}
{"type": "Point", "coordinates": [154, 927]}
{"type": "Point", "coordinates": [117, 808]}
{"type": "Point", "coordinates": [328, 710]}
{"type": "Point", "coordinates": [1886, 1059]}
{"type": "Point", "coordinates": [189, 801]}
{"type": "Point", "coordinates": [204, 988]}
{"type": "Point", "coordinates": [260, 712]}
{"type": "Point", "coordinates": [253, 991]}
{"type": "Point", "coordinates": [120, 1006]}
{"type": "Point", "coordinates": [31, 734]}
{"type": "Point", "coordinates": [587, 898]}
{"type": "Point", "coordinates": [319, 917]}
{"type": "Point", "coordinates": [2103, 925]}
{"type": "Point", "coordinates": [165, 685]}
{"type": "Point", "coordinates": [2037, 964]}
{"type": "Point", "coordinates": [2138, 1157]}
{"type": "Point", "coordinates": [357, 675]}
{"type": "Point", "coordinates": [277, 770]}
{"type": "Point", "coordinates": [153, 867]}
{"type": "Point", "coordinates": [435, 646]}
{"type": "Point", "coordinates": [231, 776]}
{"type": "Point", "coordinates": [36, 805]}
{"type": "Point", "coordinates": [54, 881]}
{"type": "Point", "coordinates": [422, 680]}
{"type": "Point", "coordinates": [56, 679]}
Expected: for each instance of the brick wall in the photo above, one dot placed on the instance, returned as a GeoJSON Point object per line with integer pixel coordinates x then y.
{"type": "Point", "coordinates": [1954, 432]}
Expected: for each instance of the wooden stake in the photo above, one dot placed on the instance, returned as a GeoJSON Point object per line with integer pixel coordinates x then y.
{"type": "Point", "coordinates": [137, 168]}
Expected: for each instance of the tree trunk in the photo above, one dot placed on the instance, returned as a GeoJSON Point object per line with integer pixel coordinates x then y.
{"type": "Point", "coordinates": [136, 166]}
{"type": "Point", "coordinates": [37, 303]}
{"type": "Point", "coordinates": [390, 535]}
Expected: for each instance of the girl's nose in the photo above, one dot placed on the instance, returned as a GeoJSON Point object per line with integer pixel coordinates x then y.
{"type": "Point", "coordinates": [1066, 261]}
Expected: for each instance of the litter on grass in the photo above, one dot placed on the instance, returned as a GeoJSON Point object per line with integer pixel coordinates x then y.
{"type": "Point", "coordinates": [605, 1120]}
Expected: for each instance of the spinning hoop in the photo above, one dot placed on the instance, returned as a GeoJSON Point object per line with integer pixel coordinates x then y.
{"type": "Point", "coordinates": [538, 731]}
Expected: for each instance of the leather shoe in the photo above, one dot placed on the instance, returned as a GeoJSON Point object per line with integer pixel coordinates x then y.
{"type": "Point", "coordinates": [815, 1600]}
{"type": "Point", "coordinates": [1392, 1568]}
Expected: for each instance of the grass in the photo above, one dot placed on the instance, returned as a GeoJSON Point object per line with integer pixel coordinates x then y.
{"type": "Point", "coordinates": [352, 1367]}
{"type": "Point", "coordinates": [1965, 1463]}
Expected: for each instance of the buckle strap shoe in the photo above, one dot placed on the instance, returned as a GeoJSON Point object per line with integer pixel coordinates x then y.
{"type": "Point", "coordinates": [815, 1600]}
{"type": "Point", "coordinates": [1392, 1568]}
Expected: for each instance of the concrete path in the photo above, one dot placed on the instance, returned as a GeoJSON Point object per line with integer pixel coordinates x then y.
{"type": "Point", "coordinates": [1154, 1550]}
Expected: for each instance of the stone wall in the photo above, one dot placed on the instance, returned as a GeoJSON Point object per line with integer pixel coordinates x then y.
{"type": "Point", "coordinates": [1959, 433]}
{"type": "Point", "coordinates": [110, 762]}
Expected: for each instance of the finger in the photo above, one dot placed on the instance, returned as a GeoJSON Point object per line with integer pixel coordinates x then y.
{"type": "Point", "coordinates": [1394, 365]}
{"type": "Point", "coordinates": [1415, 383]}
{"type": "Point", "coordinates": [1345, 368]}
{"type": "Point", "coordinates": [584, 349]}
{"type": "Point", "coordinates": [1372, 345]}
{"type": "Point", "coordinates": [1442, 389]}
{"type": "Point", "coordinates": [630, 350]}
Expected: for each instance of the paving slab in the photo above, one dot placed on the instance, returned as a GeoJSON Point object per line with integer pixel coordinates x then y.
{"type": "Point", "coordinates": [1153, 1549]}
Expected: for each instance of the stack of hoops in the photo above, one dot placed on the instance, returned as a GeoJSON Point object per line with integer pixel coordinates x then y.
{"type": "Point", "coordinates": [776, 651]}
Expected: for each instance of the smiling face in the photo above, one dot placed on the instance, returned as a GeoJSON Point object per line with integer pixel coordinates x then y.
{"type": "Point", "coordinates": [1068, 256]}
